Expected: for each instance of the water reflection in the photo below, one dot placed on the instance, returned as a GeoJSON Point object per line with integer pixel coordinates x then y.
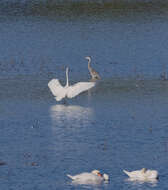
{"type": "Point", "coordinates": [92, 187]}
{"type": "Point", "coordinates": [152, 182]}
{"type": "Point", "coordinates": [70, 113]}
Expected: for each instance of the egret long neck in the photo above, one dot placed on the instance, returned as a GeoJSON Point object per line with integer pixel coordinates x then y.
{"type": "Point", "coordinates": [67, 80]}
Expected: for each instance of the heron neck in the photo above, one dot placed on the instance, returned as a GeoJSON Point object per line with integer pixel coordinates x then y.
{"type": "Point", "coordinates": [89, 61]}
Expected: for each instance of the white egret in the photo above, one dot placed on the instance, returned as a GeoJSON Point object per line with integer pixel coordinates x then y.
{"type": "Point", "coordinates": [143, 174]}
{"type": "Point", "coordinates": [93, 73]}
{"type": "Point", "coordinates": [94, 177]}
{"type": "Point", "coordinates": [61, 92]}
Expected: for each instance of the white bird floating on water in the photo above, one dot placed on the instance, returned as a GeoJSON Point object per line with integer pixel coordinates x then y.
{"type": "Point", "coordinates": [143, 175]}
{"type": "Point", "coordinates": [93, 178]}
{"type": "Point", "coordinates": [61, 92]}
{"type": "Point", "coordinates": [95, 76]}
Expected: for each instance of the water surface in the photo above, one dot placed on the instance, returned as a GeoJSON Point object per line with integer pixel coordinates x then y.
{"type": "Point", "coordinates": [120, 124]}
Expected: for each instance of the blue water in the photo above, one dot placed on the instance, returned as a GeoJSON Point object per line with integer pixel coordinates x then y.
{"type": "Point", "coordinates": [120, 124]}
{"type": "Point", "coordinates": [110, 133]}
{"type": "Point", "coordinates": [122, 42]}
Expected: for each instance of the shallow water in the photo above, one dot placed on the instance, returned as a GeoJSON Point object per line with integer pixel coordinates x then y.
{"type": "Point", "coordinates": [120, 124]}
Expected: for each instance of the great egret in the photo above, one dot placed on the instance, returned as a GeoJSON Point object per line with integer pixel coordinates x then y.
{"type": "Point", "coordinates": [94, 177]}
{"type": "Point", "coordinates": [93, 73]}
{"type": "Point", "coordinates": [61, 92]}
{"type": "Point", "coordinates": [143, 174]}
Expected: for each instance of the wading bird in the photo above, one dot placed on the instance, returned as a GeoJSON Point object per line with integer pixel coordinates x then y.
{"type": "Point", "coordinates": [61, 92]}
{"type": "Point", "coordinates": [94, 177]}
{"type": "Point", "coordinates": [93, 73]}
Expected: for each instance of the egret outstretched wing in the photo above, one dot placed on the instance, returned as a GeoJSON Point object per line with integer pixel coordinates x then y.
{"type": "Point", "coordinates": [56, 88]}
{"type": "Point", "coordinates": [79, 88]}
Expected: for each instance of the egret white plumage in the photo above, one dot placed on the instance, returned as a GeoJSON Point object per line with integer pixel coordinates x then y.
{"type": "Point", "coordinates": [61, 92]}
{"type": "Point", "coordinates": [93, 73]}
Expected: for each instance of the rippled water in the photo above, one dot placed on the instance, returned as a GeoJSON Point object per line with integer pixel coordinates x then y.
{"type": "Point", "coordinates": [42, 39]}
{"type": "Point", "coordinates": [120, 124]}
